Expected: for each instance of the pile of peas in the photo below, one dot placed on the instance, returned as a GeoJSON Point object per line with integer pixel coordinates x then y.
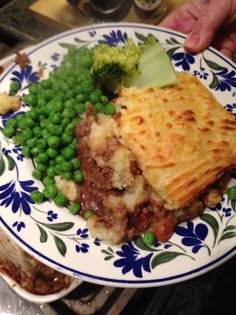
{"type": "Point", "coordinates": [46, 130]}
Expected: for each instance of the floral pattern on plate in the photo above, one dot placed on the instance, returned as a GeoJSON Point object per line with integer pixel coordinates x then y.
{"type": "Point", "coordinates": [61, 240]}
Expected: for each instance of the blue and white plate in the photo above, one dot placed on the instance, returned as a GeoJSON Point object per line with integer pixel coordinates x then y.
{"type": "Point", "coordinates": [61, 240]}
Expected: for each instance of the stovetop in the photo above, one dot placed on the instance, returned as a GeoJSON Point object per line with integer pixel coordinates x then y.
{"type": "Point", "coordinates": [211, 293]}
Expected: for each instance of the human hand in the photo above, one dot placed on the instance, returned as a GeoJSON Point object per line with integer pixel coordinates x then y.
{"type": "Point", "coordinates": [206, 22]}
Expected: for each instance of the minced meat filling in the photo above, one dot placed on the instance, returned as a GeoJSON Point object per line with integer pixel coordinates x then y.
{"type": "Point", "coordinates": [122, 214]}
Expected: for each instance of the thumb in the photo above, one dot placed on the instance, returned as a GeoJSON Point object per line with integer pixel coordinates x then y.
{"type": "Point", "coordinates": [200, 37]}
{"type": "Point", "coordinates": [205, 29]}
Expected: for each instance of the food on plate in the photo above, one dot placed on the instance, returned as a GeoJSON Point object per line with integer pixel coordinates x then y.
{"type": "Point", "coordinates": [132, 154]}
{"type": "Point", "coordinates": [32, 275]}
{"type": "Point", "coordinates": [133, 65]}
{"type": "Point", "coordinates": [157, 161]}
{"type": "Point", "coordinates": [9, 103]}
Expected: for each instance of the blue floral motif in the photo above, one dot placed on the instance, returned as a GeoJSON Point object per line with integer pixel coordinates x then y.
{"type": "Point", "coordinates": [6, 151]}
{"type": "Point", "coordinates": [201, 74]}
{"type": "Point", "coordinates": [55, 56]}
{"type": "Point", "coordinates": [228, 80]}
{"type": "Point", "coordinates": [193, 237]}
{"type": "Point", "coordinates": [184, 59]}
{"type": "Point", "coordinates": [19, 225]}
{"type": "Point", "coordinates": [25, 74]}
{"type": "Point", "coordinates": [83, 248]}
{"type": "Point", "coordinates": [83, 233]}
{"type": "Point", "coordinates": [92, 33]}
{"type": "Point", "coordinates": [17, 150]}
{"type": "Point", "coordinates": [167, 245]}
{"type": "Point", "coordinates": [227, 212]}
{"type": "Point", "coordinates": [114, 38]}
{"type": "Point", "coordinates": [130, 260]}
{"type": "Point", "coordinates": [231, 108]}
{"type": "Point", "coordinates": [17, 198]}
{"type": "Point", "coordinates": [97, 242]}
{"type": "Point", "coordinates": [51, 216]}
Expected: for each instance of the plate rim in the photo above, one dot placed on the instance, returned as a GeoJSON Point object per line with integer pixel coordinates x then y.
{"type": "Point", "coordinates": [93, 278]}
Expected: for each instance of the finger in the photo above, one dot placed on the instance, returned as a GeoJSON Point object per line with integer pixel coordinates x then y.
{"type": "Point", "coordinates": [206, 27]}
{"type": "Point", "coordinates": [180, 20]}
{"type": "Point", "coordinates": [227, 52]}
{"type": "Point", "coordinates": [228, 45]}
{"type": "Point", "coordinates": [200, 37]}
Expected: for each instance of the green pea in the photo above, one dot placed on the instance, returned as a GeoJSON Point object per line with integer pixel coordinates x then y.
{"type": "Point", "coordinates": [54, 142]}
{"type": "Point", "coordinates": [33, 88]}
{"type": "Point", "coordinates": [30, 99]}
{"type": "Point", "coordinates": [8, 131]}
{"type": "Point", "coordinates": [19, 117]}
{"type": "Point", "coordinates": [35, 151]}
{"type": "Point", "coordinates": [232, 193]}
{"type": "Point", "coordinates": [55, 118]}
{"type": "Point", "coordinates": [109, 109]}
{"type": "Point", "coordinates": [55, 130]}
{"type": "Point", "coordinates": [75, 163]}
{"type": "Point", "coordinates": [104, 99]}
{"type": "Point", "coordinates": [79, 108]}
{"type": "Point", "coordinates": [26, 134]}
{"type": "Point", "coordinates": [45, 84]}
{"type": "Point", "coordinates": [67, 166]}
{"type": "Point", "coordinates": [70, 128]}
{"type": "Point", "coordinates": [88, 213]}
{"type": "Point", "coordinates": [49, 93]}
{"type": "Point", "coordinates": [36, 130]}
{"type": "Point", "coordinates": [26, 151]}
{"type": "Point", "coordinates": [68, 113]}
{"type": "Point", "coordinates": [69, 94]}
{"type": "Point", "coordinates": [14, 86]}
{"type": "Point", "coordinates": [65, 122]}
{"type": "Point", "coordinates": [60, 159]}
{"type": "Point", "coordinates": [37, 196]}
{"type": "Point", "coordinates": [66, 138]}
{"type": "Point", "coordinates": [41, 144]}
{"type": "Point", "coordinates": [75, 208]}
{"type": "Point", "coordinates": [58, 169]}
{"type": "Point", "coordinates": [78, 176]}
{"type": "Point", "coordinates": [32, 114]}
{"type": "Point", "coordinates": [42, 157]}
{"type": "Point", "coordinates": [29, 122]}
{"type": "Point", "coordinates": [60, 200]}
{"type": "Point", "coordinates": [42, 167]}
{"type": "Point", "coordinates": [68, 152]}
{"type": "Point", "coordinates": [11, 122]}
{"type": "Point", "coordinates": [31, 142]}
{"type": "Point", "coordinates": [50, 191]}
{"type": "Point", "coordinates": [48, 180]}
{"type": "Point", "coordinates": [80, 97]}
{"type": "Point", "coordinates": [52, 153]}
{"type": "Point", "coordinates": [99, 108]}
{"type": "Point", "coordinates": [67, 175]}
{"type": "Point", "coordinates": [37, 174]}
{"type": "Point", "coordinates": [149, 238]}
{"type": "Point", "coordinates": [94, 97]}
{"type": "Point", "coordinates": [51, 172]}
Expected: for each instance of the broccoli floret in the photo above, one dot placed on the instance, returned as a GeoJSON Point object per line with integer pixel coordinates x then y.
{"type": "Point", "coordinates": [114, 63]}
{"type": "Point", "coordinates": [142, 65]}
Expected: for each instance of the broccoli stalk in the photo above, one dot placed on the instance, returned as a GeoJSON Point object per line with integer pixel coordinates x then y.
{"type": "Point", "coordinates": [155, 68]}
{"type": "Point", "coordinates": [145, 65]}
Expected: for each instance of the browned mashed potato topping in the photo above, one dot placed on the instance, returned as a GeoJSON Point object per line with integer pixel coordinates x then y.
{"type": "Point", "coordinates": [160, 160]}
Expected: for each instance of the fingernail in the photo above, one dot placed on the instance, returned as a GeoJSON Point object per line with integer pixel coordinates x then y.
{"type": "Point", "coordinates": [192, 41]}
